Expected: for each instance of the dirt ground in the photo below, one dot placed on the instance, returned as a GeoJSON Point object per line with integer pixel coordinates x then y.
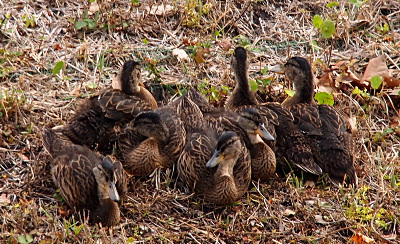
{"type": "Point", "coordinates": [92, 39]}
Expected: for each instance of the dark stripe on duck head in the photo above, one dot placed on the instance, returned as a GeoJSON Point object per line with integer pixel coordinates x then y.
{"type": "Point", "coordinates": [147, 118]}
{"type": "Point", "coordinates": [227, 138]}
{"type": "Point", "coordinates": [251, 114]}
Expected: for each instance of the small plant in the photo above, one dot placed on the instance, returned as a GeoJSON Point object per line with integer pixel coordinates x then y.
{"type": "Point", "coordinates": [86, 22]}
{"type": "Point", "coordinates": [324, 98]}
{"type": "Point", "coordinates": [193, 11]}
{"type": "Point", "coordinates": [25, 239]}
{"type": "Point", "coordinates": [29, 20]}
{"type": "Point", "coordinates": [152, 67]}
{"type": "Point", "coordinates": [10, 102]}
{"type": "Point", "coordinates": [57, 67]}
{"type": "Point", "coordinates": [326, 27]}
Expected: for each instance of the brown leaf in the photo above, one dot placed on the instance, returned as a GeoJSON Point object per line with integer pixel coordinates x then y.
{"type": "Point", "coordinates": [199, 56]}
{"type": "Point", "coordinates": [391, 82]}
{"type": "Point", "coordinates": [353, 124]}
{"type": "Point", "coordinates": [4, 200]}
{"type": "Point", "coordinates": [376, 66]}
{"type": "Point", "coordinates": [94, 7]}
{"type": "Point", "coordinates": [76, 91]}
{"type": "Point", "coordinates": [180, 54]}
{"type": "Point", "coordinates": [325, 80]}
{"type": "Point", "coordinates": [361, 239]}
{"type": "Point", "coordinates": [289, 212]}
{"type": "Point", "coordinates": [225, 45]}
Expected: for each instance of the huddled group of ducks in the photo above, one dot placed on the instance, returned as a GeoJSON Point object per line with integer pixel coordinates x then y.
{"type": "Point", "coordinates": [217, 151]}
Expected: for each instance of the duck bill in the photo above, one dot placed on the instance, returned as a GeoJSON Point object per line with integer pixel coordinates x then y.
{"type": "Point", "coordinates": [215, 159]}
{"type": "Point", "coordinates": [112, 191]}
{"type": "Point", "coordinates": [279, 69]}
{"type": "Point", "coordinates": [263, 133]}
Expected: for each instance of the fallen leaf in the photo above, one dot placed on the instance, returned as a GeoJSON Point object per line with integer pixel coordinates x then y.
{"type": "Point", "coordinates": [199, 56]}
{"type": "Point", "coordinates": [76, 91]}
{"type": "Point", "coordinates": [289, 212]}
{"type": "Point", "coordinates": [362, 239]}
{"type": "Point", "coordinates": [391, 82]}
{"type": "Point", "coordinates": [320, 220]}
{"type": "Point", "coordinates": [180, 54]}
{"type": "Point", "coordinates": [4, 200]}
{"type": "Point", "coordinates": [23, 157]}
{"type": "Point", "coordinates": [353, 124]}
{"type": "Point", "coordinates": [325, 80]}
{"type": "Point", "coordinates": [94, 7]}
{"type": "Point", "coordinates": [225, 45]}
{"type": "Point", "coordinates": [160, 9]}
{"type": "Point", "coordinates": [376, 67]}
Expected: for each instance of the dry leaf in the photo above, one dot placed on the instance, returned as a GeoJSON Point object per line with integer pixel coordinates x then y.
{"type": "Point", "coordinates": [376, 66]}
{"type": "Point", "coordinates": [225, 45]}
{"type": "Point", "coordinates": [289, 212]}
{"type": "Point", "coordinates": [199, 56]}
{"type": "Point", "coordinates": [76, 91]}
{"type": "Point", "coordinates": [325, 80]}
{"type": "Point", "coordinates": [391, 82]}
{"type": "Point", "coordinates": [23, 157]}
{"type": "Point", "coordinates": [320, 220]}
{"type": "Point", "coordinates": [160, 9]}
{"type": "Point", "coordinates": [361, 239]}
{"type": "Point", "coordinates": [353, 124]}
{"type": "Point", "coordinates": [94, 7]}
{"type": "Point", "coordinates": [180, 54]}
{"type": "Point", "coordinates": [4, 200]}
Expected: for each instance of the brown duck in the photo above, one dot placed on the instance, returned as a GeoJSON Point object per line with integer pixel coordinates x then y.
{"type": "Point", "coordinates": [152, 140]}
{"type": "Point", "coordinates": [86, 179]}
{"type": "Point", "coordinates": [291, 149]}
{"type": "Point", "coordinates": [246, 122]}
{"type": "Point", "coordinates": [93, 123]}
{"type": "Point", "coordinates": [219, 170]}
{"type": "Point", "coordinates": [326, 130]}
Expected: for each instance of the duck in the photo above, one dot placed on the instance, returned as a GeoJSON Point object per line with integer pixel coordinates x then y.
{"type": "Point", "coordinates": [196, 112]}
{"type": "Point", "coordinates": [152, 140]}
{"type": "Point", "coordinates": [290, 147]}
{"type": "Point", "coordinates": [86, 179]}
{"type": "Point", "coordinates": [243, 96]}
{"type": "Point", "coordinates": [97, 119]}
{"type": "Point", "coordinates": [325, 129]}
{"type": "Point", "coordinates": [216, 169]}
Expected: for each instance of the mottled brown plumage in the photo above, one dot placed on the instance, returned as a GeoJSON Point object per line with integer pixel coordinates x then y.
{"type": "Point", "coordinates": [248, 124]}
{"type": "Point", "coordinates": [290, 147]}
{"type": "Point", "coordinates": [93, 123]}
{"type": "Point", "coordinates": [326, 130]}
{"type": "Point", "coordinates": [86, 179]}
{"type": "Point", "coordinates": [219, 171]}
{"type": "Point", "coordinates": [152, 140]}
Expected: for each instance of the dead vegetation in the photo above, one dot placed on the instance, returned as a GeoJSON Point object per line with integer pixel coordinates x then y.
{"type": "Point", "coordinates": [93, 39]}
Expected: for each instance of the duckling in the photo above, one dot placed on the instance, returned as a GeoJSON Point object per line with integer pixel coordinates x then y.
{"type": "Point", "coordinates": [95, 119]}
{"type": "Point", "coordinates": [153, 140]}
{"type": "Point", "coordinates": [326, 130]}
{"type": "Point", "coordinates": [86, 180]}
{"type": "Point", "coordinates": [290, 146]}
{"type": "Point", "coordinates": [219, 171]}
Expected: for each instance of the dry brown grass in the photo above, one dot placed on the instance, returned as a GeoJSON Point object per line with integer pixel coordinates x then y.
{"type": "Point", "coordinates": [281, 211]}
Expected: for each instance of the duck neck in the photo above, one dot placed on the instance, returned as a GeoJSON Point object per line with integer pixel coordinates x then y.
{"type": "Point", "coordinates": [226, 184]}
{"type": "Point", "coordinates": [304, 85]}
{"type": "Point", "coordinates": [129, 86]}
{"type": "Point", "coordinates": [242, 94]}
{"type": "Point", "coordinates": [107, 212]}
